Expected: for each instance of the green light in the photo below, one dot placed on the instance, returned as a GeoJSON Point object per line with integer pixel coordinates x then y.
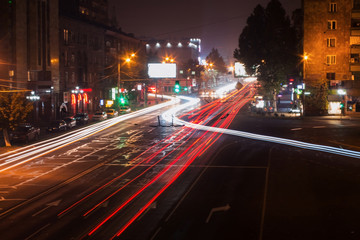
{"type": "Point", "coordinates": [177, 87]}
{"type": "Point", "coordinates": [10, 2]}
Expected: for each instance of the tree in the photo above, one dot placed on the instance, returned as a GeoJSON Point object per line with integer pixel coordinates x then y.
{"type": "Point", "coordinates": [252, 41]}
{"type": "Point", "coordinates": [268, 47]}
{"type": "Point", "coordinates": [14, 108]}
{"type": "Point", "coordinates": [193, 66]}
{"type": "Point", "coordinates": [216, 67]}
{"type": "Point", "coordinates": [216, 60]}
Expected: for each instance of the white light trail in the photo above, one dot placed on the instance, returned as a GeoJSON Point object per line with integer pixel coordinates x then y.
{"type": "Point", "coordinates": [170, 116]}
{"type": "Point", "coordinates": [22, 155]}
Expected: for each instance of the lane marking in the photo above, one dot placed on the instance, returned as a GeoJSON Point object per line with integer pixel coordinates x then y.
{"type": "Point", "coordinates": [319, 127]}
{"type": "Point", "coordinates": [217, 209]}
{"type": "Point", "coordinates": [347, 145]}
{"type": "Point", "coordinates": [296, 129]}
{"type": "Point", "coordinates": [48, 205]}
{"type": "Point", "coordinates": [32, 235]}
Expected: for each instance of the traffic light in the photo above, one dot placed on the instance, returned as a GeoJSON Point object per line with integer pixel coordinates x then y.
{"type": "Point", "coordinates": [177, 87]}
{"type": "Point", "coordinates": [122, 100]}
{"type": "Point", "coordinates": [342, 107]}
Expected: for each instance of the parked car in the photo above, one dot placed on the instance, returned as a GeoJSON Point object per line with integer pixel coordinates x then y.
{"type": "Point", "coordinates": [57, 126]}
{"type": "Point", "coordinates": [124, 109]}
{"type": "Point", "coordinates": [98, 116]}
{"type": "Point", "coordinates": [112, 113]}
{"type": "Point", "coordinates": [81, 118]}
{"type": "Point", "coordinates": [25, 133]}
{"type": "Point", "coordinates": [70, 122]}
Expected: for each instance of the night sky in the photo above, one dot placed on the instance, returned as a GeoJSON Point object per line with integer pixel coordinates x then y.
{"type": "Point", "coordinates": [217, 22]}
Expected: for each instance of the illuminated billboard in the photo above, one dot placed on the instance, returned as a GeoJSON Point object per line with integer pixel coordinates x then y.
{"type": "Point", "coordinates": [239, 70]}
{"type": "Point", "coordinates": [162, 70]}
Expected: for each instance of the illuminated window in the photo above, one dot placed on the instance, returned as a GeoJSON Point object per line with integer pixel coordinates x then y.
{"type": "Point", "coordinates": [331, 42]}
{"type": "Point", "coordinates": [332, 24]}
{"type": "Point", "coordinates": [330, 59]}
{"type": "Point", "coordinates": [66, 36]}
{"type": "Point", "coordinates": [332, 7]}
{"type": "Point", "coordinates": [335, 83]}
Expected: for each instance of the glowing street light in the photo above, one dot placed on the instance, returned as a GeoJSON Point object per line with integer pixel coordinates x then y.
{"type": "Point", "coordinates": [305, 58]}
{"type": "Point", "coordinates": [128, 60]}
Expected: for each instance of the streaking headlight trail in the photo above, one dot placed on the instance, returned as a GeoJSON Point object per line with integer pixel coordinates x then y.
{"type": "Point", "coordinates": [25, 154]}
{"type": "Point", "coordinates": [294, 143]}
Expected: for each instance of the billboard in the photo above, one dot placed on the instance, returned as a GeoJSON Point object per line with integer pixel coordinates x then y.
{"type": "Point", "coordinates": [239, 70]}
{"type": "Point", "coordinates": [162, 70]}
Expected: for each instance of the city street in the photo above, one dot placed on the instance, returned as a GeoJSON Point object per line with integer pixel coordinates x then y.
{"type": "Point", "coordinates": [132, 179]}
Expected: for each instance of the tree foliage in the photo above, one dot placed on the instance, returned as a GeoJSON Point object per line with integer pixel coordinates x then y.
{"type": "Point", "coordinates": [216, 59]}
{"type": "Point", "coordinates": [193, 65]}
{"type": "Point", "coordinates": [267, 46]}
{"type": "Point", "coordinates": [14, 108]}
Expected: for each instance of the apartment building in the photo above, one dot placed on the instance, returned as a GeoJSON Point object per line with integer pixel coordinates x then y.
{"type": "Point", "coordinates": [332, 46]}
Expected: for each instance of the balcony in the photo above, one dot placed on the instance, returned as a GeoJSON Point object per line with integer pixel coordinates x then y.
{"type": "Point", "coordinates": [355, 68]}
{"type": "Point", "coordinates": [355, 14]}
{"type": "Point", "coordinates": [355, 32]}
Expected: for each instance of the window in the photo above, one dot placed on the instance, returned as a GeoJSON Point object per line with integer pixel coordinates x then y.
{"type": "Point", "coordinates": [72, 77]}
{"type": "Point", "coordinates": [330, 59]}
{"type": "Point", "coordinates": [332, 7]}
{"type": "Point", "coordinates": [354, 58]}
{"type": "Point", "coordinates": [356, 5]}
{"type": "Point", "coordinates": [331, 24]}
{"type": "Point", "coordinates": [66, 36]}
{"type": "Point", "coordinates": [331, 42]}
{"type": "Point", "coordinates": [66, 62]}
{"type": "Point", "coordinates": [335, 83]}
{"type": "Point", "coordinates": [330, 76]}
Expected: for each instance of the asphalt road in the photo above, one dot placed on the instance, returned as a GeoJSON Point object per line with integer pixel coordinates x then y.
{"type": "Point", "coordinates": [136, 181]}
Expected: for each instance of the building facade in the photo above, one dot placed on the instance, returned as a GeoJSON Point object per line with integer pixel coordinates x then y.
{"type": "Point", "coordinates": [30, 52]}
{"type": "Point", "coordinates": [62, 52]}
{"type": "Point", "coordinates": [185, 53]}
{"type": "Point", "coordinates": [331, 49]}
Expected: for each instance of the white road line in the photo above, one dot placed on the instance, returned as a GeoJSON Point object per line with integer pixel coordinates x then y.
{"type": "Point", "coordinates": [319, 127]}
{"type": "Point", "coordinates": [296, 129]}
{"type": "Point", "coordinates": [32, 235]}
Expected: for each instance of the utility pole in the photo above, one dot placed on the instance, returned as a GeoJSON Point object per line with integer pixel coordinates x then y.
{"type": "Point", "coordinates": [118, 79]}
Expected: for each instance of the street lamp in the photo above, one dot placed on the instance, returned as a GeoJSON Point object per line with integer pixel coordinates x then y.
{"type": "Point", "coordinates": [128, 60]}
{"type": "Point", "coordinates": [305, 58]}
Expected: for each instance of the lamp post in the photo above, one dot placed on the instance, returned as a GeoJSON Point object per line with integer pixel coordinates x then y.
{"type": "Point", "coordinates": [305, 58]}
{"type": "Point", "coordinates": [127, 60]}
